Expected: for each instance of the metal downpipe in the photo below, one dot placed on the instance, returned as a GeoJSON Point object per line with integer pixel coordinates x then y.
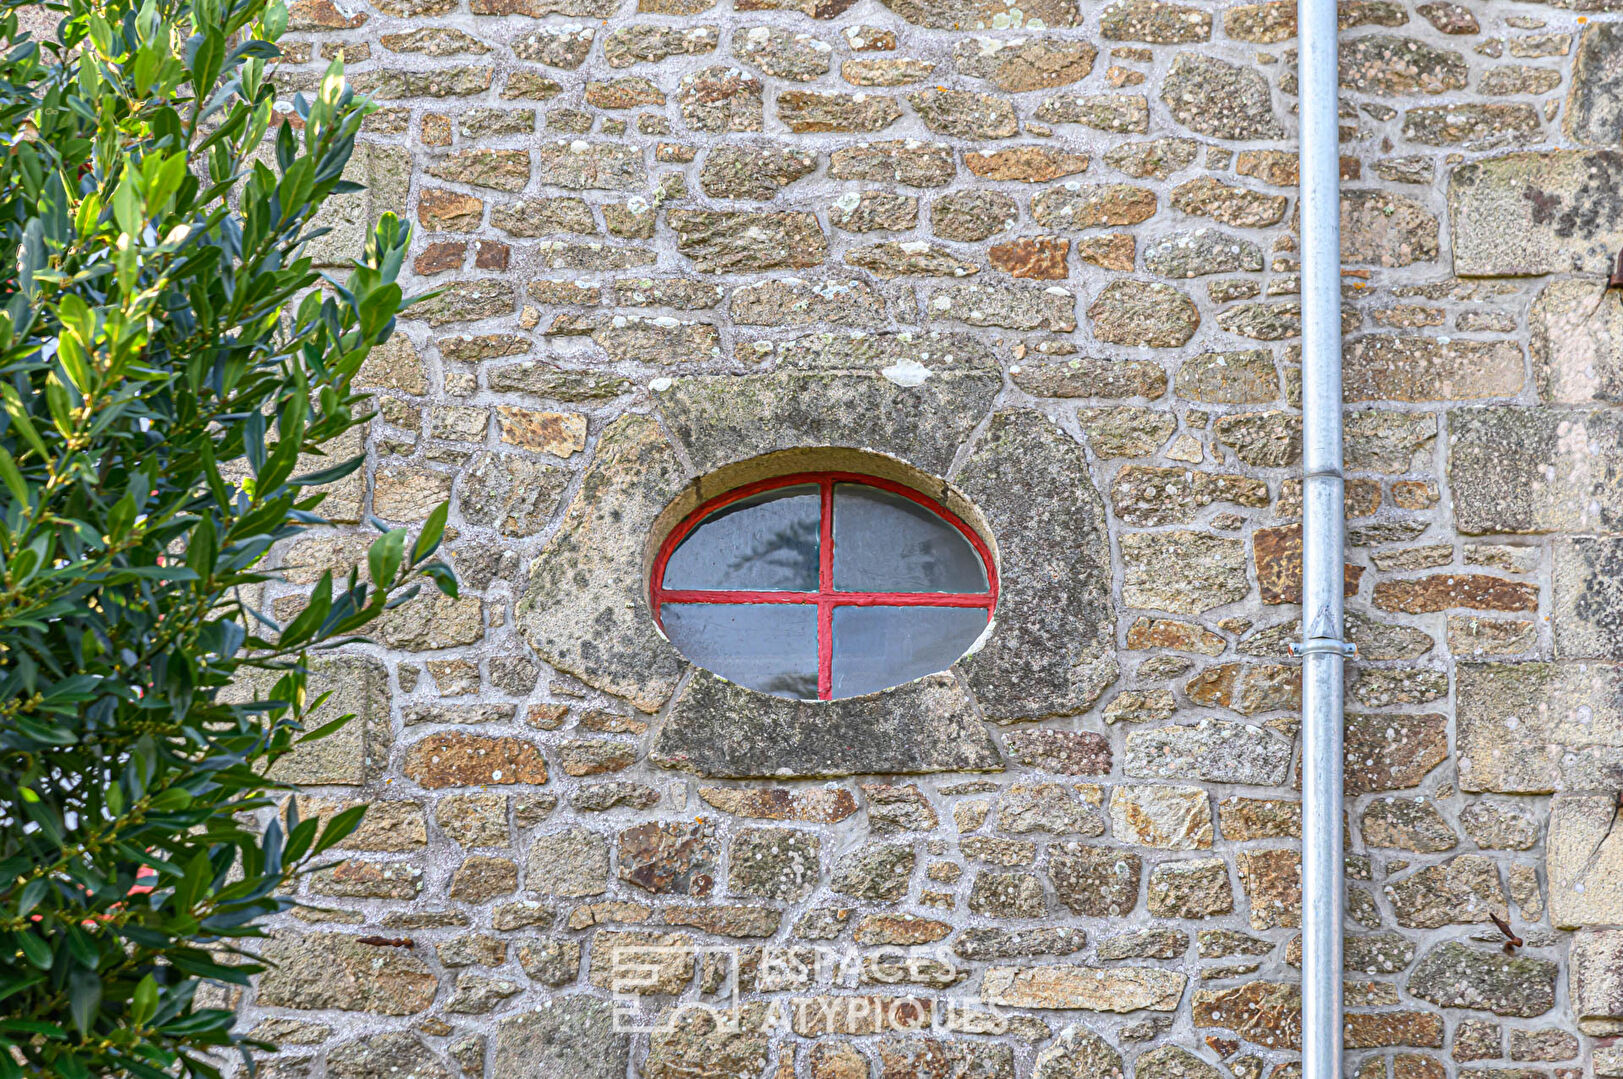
{"type": "Point", "coordinates": [1323, 535]}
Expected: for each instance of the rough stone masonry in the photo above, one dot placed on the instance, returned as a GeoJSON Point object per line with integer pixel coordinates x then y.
{"type": "Point", "coordinates": [1047, 253]}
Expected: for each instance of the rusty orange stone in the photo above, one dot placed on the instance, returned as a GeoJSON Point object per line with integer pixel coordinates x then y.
{"type": "Point", "coordinates": [1026, 164]}
{"type": "Point", "coordinates": [1392, 752]}
{"type": "Point", "coordinates": [559, 433]}
{"type": "Point", "coordinates": [1040, 258]}
{"type": "Point", "coordinates": [1417, 1066]}
{"type": "Point", "coordinates": [491, 255]}
{"type": "Point", "coordinates": [1171, 633]}
{"type": "Point", "coordinates": [900, 930]}
{"type": "Point", "coordinates": [466, 760]}
{"type": "Point", "coordinates": [1268, 1014]}
{"type": "Point", "coordinates": [1444, 591]}
{"type": "Point", "coordinates": [439, 257]}
{"type": "Point", "coordinates": [1277, 553]}
{"type": "Point", "coordinates": [440, 209]}
{"type": "Point", "coordinates": [1363, 1030]}
{"type": "Point", "coordinates": [1414, 495]}
{"type": "Point", "coordinates": [670, 857]}
{"type": "Point", "coordinates": [321, 15]}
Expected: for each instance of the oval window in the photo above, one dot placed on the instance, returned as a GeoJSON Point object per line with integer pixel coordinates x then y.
{"type": "Point", "coordinates": [823, 585]}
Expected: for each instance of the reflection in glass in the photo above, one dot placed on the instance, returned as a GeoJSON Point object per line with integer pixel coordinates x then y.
{"type": "Point", "coordinates": [765, 543]}
{"type": "Point", "coordinates": [886, 543]}
{"type": "Point", "coordinates": [769, 647]}
{"type": "Point", "coordinates": [878, 647]}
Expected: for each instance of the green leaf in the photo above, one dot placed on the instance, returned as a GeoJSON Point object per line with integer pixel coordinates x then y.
{"type": "Point", "coordinates": [428, 540]}
{"type": "Point", "coordinates": [35, 950]}
{"type": "Point", "coordinates": [18, 982]}
{"type": "Point", "coordinates": [84, 998]}
{"type": "Point", "coordinates": [330, 727]}
{"type": "Point", "coordinates": [170, 800]}
{"type": "Point", "coordinates": [308, 621]}
{"type": "Point", "coordinates": [443, 576]}
{"type": "Point", "coordinates": [144, 1001]}
{"type": "Point", "coordinates": [384, 556]}
{"type": "Point", "coordinates": [19, 416]}
{"type": "Point", "coordinates": [339, 827]}
{"type": "Point", "coordinates": [202, 551]}
{"type": "Point", "coordinates": [127, 206]}
{"type": "Point", "coordinates": [30, 896]}
{"type": "Point", "coordinates": [13, 477]}
{"type": "Point", "coordinates": [206, 60]}
{"type": "Point", "coordinates": [378, 310]}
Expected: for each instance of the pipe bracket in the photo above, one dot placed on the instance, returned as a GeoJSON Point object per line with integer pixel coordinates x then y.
{"type": "Point", "coordinates": [1330, 645]}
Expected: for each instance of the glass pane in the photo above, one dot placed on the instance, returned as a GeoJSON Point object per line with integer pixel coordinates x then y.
{"type": "Point", "coordinates": [764, 543]}
{"type": "Point", "coordinates": [877, 647]}
{"type": "Point", "coordinates": [770, 647]}
{"type": "Point", "coordinates": [886, 543]}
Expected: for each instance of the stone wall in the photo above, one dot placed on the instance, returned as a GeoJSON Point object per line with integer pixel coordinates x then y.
{"type": "Point", "coordinates": [1048, 253]}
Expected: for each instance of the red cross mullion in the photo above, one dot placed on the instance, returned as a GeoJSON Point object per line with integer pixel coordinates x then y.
{"type": "Point", "coordinates": [826, 598]}
{"type": "Point", "coordinates": [825, 589]}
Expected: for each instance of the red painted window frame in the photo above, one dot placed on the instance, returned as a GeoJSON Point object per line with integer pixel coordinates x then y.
{"type": "Point", "coordinates": [827, 597]}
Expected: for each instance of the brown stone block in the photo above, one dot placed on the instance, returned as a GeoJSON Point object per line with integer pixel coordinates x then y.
{"type": "Point", "coordinates": [1268, 1014]}
{"type": "Point", "coordinates": [886, 71]}
{"type": "Point", "coordinates": [902, 930]}
{"type": "Point", "coordinates": [482, 877]}
{"type": "Point", "coordinates": [1146, 496]}
{"type": "Point", "coordinates": [1248, 688]}
{"type": "Point", "coordinates": [1219, 99]}
{"type": "Point", "coordinates": [806, 112]}
{"type": "Point", "coordinates": [1038, 257]}
{"type": "Point", "coordinates": [1164, 817]}
{"type": "Point", "coordinates": [1229, 204]}
{"type": "Point", "coordinates": [369, 880]}
{"type": "Point", "coordinates": [562, 434]}
{"type": "Point", "coordinates": [907, 162]}
{"type": "Point", "coordinates": [1455, 975]}
{"type": "Point", "coordinates": [1463, 890]}
{"type": "Point", "coordinates": [1392, 751]}
{"type": "Point", "coordinates": [1020, 66]}
{"type": "Point", "coordinates": [1025, 164]}
{"type": "Point", "coordinates": [1072, 753]}
{"type": "Point", "coordinates": [1277, 553]}
{"type": "Point", "coordinates": [1378, 1030]}
{"type": "Point", "coordinates": [1441, 592]}
{"type": "Point", "coordinates": [1095, 882]}
{"type": "Point", "coordinates": [1273, 886]}
{"type": "Point", "coordinates": [1093, 206]}
{"type": "Point", "coordinates": [439, 257]}
{"type": "Point", "coordinates": [646, 964]}
{"type": "Point", "coordinates": [1259, 818]}
{"type": "Point", "coordinates": [463, 760]}
{"type": "Point", "coordinates": [1117, 113]}
{"type": "Point", "coordinates": [449, 210]}
{"type": "Point", "coordinates": [1112, 252]}
{"type": "Point", "coordinates": [670, 857]}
